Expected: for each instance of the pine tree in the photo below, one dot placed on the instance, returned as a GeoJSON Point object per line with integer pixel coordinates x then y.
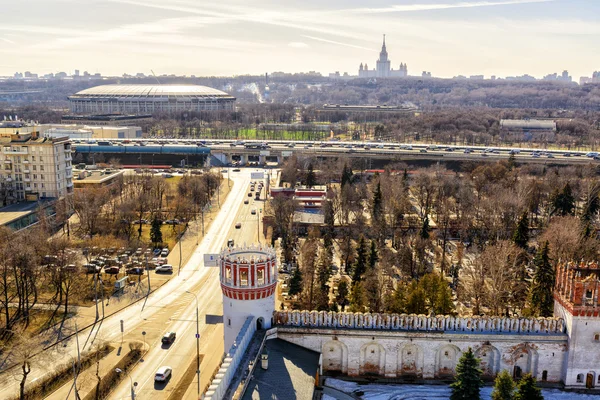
{"type": "Point", "coordinates": [527, 389]}
{"type": "Point", "coordinates": [521, 235]}
{"type": "Point", "coordinates": [360, 265]}
{"type": "Point", "coordinates": [346, 175]}
{"type": "Point", "coordinates": [342, 294]}
{"type": "Point", "coordinates": [377, 203]}
{"type": "Point", "coordinates": [444, 304]}
{"type": "Point", "coordinates": [295, 282]}
{"type": "Point", "coordinates": [311, 179]}
{"type": "Point", "coordinates": [156, 232]}
{"type": "Point", "coordinates": [396, 303]}
{"type": "Point", "coordinates": [504, 387]}
{"type": "Point", "coordinates": [416, 299]}
{"type": "Point", "coordinates": [468, 381]}
{"type": "Point", "coordinates": [373, 256]}
{"type": "Point", "coordinates": [424, 233]}
{"type": "Point", "coordinates": [563, 203]}
{"type": "Point", "coordinates": [542, 301]}
{"type": "Point", "coordinates": [358, 298]}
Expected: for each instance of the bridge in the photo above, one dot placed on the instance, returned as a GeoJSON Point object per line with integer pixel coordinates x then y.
{"type": "Point", "coordinates": [231, 151]}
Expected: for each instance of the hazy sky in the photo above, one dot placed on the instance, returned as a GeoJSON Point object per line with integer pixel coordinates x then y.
{"type": "Point", "coordinates": [227, 37]}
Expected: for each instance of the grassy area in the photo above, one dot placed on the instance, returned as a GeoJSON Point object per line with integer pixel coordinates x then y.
{"type": "Point", "coordinates": [39, 321]}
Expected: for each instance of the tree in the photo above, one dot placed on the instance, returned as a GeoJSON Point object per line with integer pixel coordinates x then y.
{"type": "Point", "coordinates": [373, 256]}
{"type": "Point", "coordinates": [563, 202]}
{"type": "Point", "coordinates": [358, 298]}
{"type": "Point", "coordinates": [311, 179]}
{"type": "Point", "coordinates": [542, 301]}
{"type": "Point", "coordinates": [377, 203]}
{"type": "Point", "coordinates": [468, 381]}
{"type": "Point", "coordinates": [521, 235]}
{"type": "Point", "coordinates": [295, 282]}
{"type": "Point", "coordinates": [504, 387]}
{"type": "Point", "coordinates": [424, 232]}
{"type": "Point", "coordinates": [342, 294]}
{"type": "Point", "coordinates": [360, 266]}
{"type": "Point", "coordinates": [527, 389]}
{"type": "Point", "coordinates": [156, 232]}
{"type": "Point", "coordinates": [346, 175]}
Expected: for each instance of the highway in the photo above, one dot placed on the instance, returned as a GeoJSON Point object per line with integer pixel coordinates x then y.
{"type": "Point", "coordinates": [375, 150]}
{"type": "Point", "coordinates": [170, 308]}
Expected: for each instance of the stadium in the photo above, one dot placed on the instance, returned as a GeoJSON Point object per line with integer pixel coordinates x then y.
{"type": "Point", "coordinates": [149, 99]}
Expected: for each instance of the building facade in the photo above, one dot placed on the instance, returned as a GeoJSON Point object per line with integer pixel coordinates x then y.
{"type": "Point", "coordinates": [383, 69]}
{"type": "Point", "coordinates": [34, 168]}
{"type": "Point", "coordinates": [149, 99]}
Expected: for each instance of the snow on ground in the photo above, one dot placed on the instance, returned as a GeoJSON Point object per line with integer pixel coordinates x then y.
{"type": "Point", "coordinates": [427, 392]}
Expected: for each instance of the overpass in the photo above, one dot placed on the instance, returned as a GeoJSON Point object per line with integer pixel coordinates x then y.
{"type": "Point", "coordinates": [231, 151]}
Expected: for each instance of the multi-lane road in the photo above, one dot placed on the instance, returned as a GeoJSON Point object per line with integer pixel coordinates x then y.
{"type": "Point", "coordinates": [170, 308]}
{"type": "Point", "coordinates": [376, 150]}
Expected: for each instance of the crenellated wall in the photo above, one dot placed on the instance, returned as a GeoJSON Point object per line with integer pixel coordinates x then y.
{"type": "Point", "coordinates": [421, 347]}
{"type": "Point", "coordinates": [413, 322]}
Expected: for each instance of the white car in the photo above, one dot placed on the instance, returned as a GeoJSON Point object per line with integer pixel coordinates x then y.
{"type": "Point", "coordinates": [163, 374]}
{"type": "Point", "coordinates": [164, 268]}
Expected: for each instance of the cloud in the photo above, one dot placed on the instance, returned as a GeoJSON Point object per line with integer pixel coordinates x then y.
{"type": "Point", "coordinates": [7, 40]}
{"type": "Point", "coordinates": [336, 42]}
{"type": "Point", "coordinates": [298, 45]}
{"type": "Point", "coordinates": [442, 6]}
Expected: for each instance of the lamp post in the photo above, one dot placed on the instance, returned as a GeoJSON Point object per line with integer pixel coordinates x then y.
{"type": "Point", "coordinates": [133, 384]}
{"type": "Point", "coordinates": [197, 340]}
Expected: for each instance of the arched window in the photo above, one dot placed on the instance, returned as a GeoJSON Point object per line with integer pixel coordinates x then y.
{"type": "Point", "coordinates": [579, 378]}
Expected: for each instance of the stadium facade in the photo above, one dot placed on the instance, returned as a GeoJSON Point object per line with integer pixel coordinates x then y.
{"type": "Point", "coordinates": [149, 99]}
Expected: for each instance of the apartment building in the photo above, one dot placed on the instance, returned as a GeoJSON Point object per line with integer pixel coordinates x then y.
{"type": "Point", "coordinates": [34, 168]}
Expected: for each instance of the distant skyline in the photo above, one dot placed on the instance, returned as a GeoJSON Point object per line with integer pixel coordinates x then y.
{"type": "Point", "coordinates": [235, 37]}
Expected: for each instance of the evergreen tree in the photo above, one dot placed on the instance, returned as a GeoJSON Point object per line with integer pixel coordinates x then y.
{"type": "Point", "coordinates": [295, 282]}
{"type": "Point", "coordinates": [511, 161]}
{"type": "Point", "coordinates": [342, 294]}
{"type": "Point", "coordinates": [444, 304]}
{"type": "Point", "coordinates": [563, 203]}
{"type": "Point", "coordinates": [311, 179]}
{"type": "Point", "coordinates": [527, 389]}
{"type": "Point", "coordinates": [360, 266]}
{"type": "Point", "coordinates": [396, 303]}
{"type": "Point", "coordinates": [358, 298]}
{"type": "Point", "coordinates": [373, 256]}
{"type": "Point", "coordinates": [346, 175]}
{"type": "Point", "coordinates": [504, 387]}
{"type": "Point", "coordinates": [156, 232]}
{"type": "Point", "coordinates": [521, 235]}
{"type": "Point", "coordinates": [468, 381]}
{"type": "Point", "coordinates": [377, 203]}
{"type": "Point", "coordinates": [542, 302]}
{"type": "Point", "coordinates": [424, 233]}
{"type": "Point", "coordinates": [416, 299]}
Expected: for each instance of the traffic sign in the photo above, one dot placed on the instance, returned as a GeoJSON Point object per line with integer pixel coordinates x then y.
{"type": "Point", "coordinates": [197, 336]}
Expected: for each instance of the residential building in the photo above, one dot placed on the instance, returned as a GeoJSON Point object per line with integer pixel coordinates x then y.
{"type": "Point", "coordinates": [33, 167]}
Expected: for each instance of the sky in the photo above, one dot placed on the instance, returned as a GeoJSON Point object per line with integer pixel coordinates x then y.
{"type": "Point", "coordinates": [236, 37]}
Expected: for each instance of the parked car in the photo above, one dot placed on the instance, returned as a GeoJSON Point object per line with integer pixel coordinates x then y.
{"type": "Point", "coordinates": [249, 194]}
{"type": "Point", "coordinates": [246, 201]}
{"type": "Point", "coordinates": [230, 243]}
{"type": "Point", "coordinates": [112, 270]}
{"type": "Point", "coordinates": [238, 225]}
{"type": "Point", "coordinates": [253, 212]}
{"type": "Point", "coordinates": [164, 252]}
{"type": "Point", "coordinates": [135, 271]}
{"type": "Point", "coordinates": [92, 268]}
{"type": "Point", "coordinates": [164, 268]}
{"type": "Point", "coordinates": [156, 252]}
{"type": "Point", "coordinates": [163, 374]}
{"type": "Point", "coordinates": [168, 338]}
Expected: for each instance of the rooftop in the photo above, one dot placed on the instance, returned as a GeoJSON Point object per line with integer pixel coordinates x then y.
{"type": "Point", "coordinates": [94, 177]}
{"type": "Point", "coordinates": [13, 212]}
{"type": "Point", "coordinates": [149, 91]}
{"type": "Point", "coordinates": [290, 375]}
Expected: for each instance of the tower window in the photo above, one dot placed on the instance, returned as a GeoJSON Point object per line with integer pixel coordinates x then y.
{"type": "Point", "coordinates": [228, 321]}
{"type": "Point", "coordinates": [544, 376]}
{"type": "Point", "coordinates": [580, 378]}
{"type": "Point", "coordinates": [597, 337]}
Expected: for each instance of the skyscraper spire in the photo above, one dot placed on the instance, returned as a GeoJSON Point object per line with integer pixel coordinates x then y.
{"type": "Point", "coordinates": [383, 47]}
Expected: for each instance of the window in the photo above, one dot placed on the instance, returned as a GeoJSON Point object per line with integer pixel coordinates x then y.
{"type": "Point", "coordinates": [580, 378]}
{"type": "Point", "coordinates": [34, 176]}
{"type": "Point", "coordinates": [597, 337]}
{"type": "Point", "coordinates": [228, 321]}
{"type": "Point", "coordinates": [243, 277]}
{"type": "Point", "coordinates": [544, 376]}
{"type": "Point", "coordinates": [372, 351]}
{"type": "Point", "coordinates": [588, 294]}
{"type": "Point", "coordinates": [34, 168]}
{"type": "Point", "coordinates": [32, 158]}
{"type": "Point", "coordinates": [41, 167]}
{"type": "Point", "coordinates": [41, 159]}
{"type": "Point", "coordinates": [42, 177]}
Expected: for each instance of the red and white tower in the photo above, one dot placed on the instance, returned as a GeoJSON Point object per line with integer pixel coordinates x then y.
{"type": "Point", "coordinates": [577, 301]}
{"type": "Point", "coordinates": [248, 281]}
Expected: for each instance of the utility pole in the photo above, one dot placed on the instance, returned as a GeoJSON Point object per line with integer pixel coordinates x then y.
{"type": "Point", "coordinates": [197, 341]}
{"type": "Point", "coordinates": [180, 237]}
{"type": "Point", "coordinates": [96, 292]}
{"type": "Point", "coordinates": [148, 273]}
{"type": "Point", "coordinates": [258, 225]}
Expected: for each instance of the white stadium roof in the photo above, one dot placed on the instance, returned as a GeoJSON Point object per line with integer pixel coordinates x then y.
{"type": "Point", "coordinates": [150, 91]}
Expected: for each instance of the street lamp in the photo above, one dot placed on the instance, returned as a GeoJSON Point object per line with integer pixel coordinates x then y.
{"type": "Point", "coordinates": [133, 384]}
{"type": "Point", "coordinates": [197, 340]}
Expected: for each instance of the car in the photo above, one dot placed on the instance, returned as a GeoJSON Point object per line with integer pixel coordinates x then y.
{"type": "Point", "coordinates": [164, 252]}
{"type": "Point", "coordinates": [135, 271]}
{"type": "Point", "coordinates": [246, 201]}
{"type": "Point", "coordinates": [168, 338]}
{"type": "Point", "coordinates": [423, 151]}
{"type": "Point", "coordinates": [236, 170]}
{"type": "Point", "coordinates": [252, 188]}
{"type": "Point", "coordinates": [249, 194]}
{"type": "Point", "coordinates": [164, 268]}
{"type": "Point", "coordinates": [238, 225]}
{"type": "Point", "coordinates": [112, 270]}
{"type": "Point", "coordinates": [253, 212]}
{"type": "Point", "coordinates": [156, 252]}
{"type": "Point", "coordinates": [230, 243]}
{"type": "Point", "coordinates": [92, 268]}
{"type": "Point", "coordinates": [163, 374]}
